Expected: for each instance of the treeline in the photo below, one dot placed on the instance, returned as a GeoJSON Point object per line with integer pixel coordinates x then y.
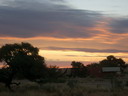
{"type": "Point", "coordinates": [22, 61]}
{"type": "Point", "coordinates": [80, 70]}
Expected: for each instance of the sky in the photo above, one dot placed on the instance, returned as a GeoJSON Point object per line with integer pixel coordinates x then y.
{"type": "Point", "coordinates": [67, 30]}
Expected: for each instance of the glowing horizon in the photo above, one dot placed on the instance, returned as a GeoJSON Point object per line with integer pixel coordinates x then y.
{"type": "Point", "coordinates": [67, 30]}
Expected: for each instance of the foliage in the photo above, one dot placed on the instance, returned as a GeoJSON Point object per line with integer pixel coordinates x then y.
{"type": "Point", "coordinates": [6, 77]}
{"type": "Point", "coordinates": [5, 74]}
{"type": "Point", "coordinates": [77, 64]}
{"type": "Point", "coordinates": [112, 61]}
{"type": "Point", "coordinates": [93, 65]}
{"type": "Point", "coordinates": [53, 71]}
{"type": "Point", "coordinates": [24, 59]}
{"type": "Point", "coordinates": [78, 69]}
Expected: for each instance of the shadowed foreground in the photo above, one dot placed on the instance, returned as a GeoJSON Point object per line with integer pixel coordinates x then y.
{"type": "Point", "coordinates": [80, 87]}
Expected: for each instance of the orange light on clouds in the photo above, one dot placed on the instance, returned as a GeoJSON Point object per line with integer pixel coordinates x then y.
{"type": "Point", "coordinates": [44, 38]}
{"type": "Point", "coordinates": [99, 34]}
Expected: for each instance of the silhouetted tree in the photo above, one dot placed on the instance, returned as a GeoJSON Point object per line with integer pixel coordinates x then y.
{"type": "Point", "coordinates": [78, 69]}
{"type": "Point", "coordinates": [77, 64]}
{"type": "Point", "coordinates": [93, 65]}
{"type": "Point", "coordinates": [112, 61]}
{"type": "Point", "coordinates": [24, 59]}
{"type": "Point", "coordinates": [6, 77]}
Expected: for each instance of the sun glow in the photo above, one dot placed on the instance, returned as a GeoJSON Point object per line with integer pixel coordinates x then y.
{"type": "Point", "coordinates": [78, 56]}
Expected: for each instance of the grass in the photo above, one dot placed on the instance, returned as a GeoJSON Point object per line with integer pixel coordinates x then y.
{"type": "Point", "coordinates": [73, 87]}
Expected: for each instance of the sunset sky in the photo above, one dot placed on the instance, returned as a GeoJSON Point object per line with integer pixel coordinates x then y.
{"type": "Point", "coordinates": [67, 30]}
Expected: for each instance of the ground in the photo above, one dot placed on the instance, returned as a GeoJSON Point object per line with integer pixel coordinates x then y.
{"type": "Point", "coordinates": [71, 87]}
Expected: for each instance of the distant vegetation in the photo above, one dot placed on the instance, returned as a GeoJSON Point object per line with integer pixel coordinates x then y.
{"type": "Point", "coordinates": [22, 61]}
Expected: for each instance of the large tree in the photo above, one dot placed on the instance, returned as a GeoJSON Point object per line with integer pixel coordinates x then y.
{"type": "Point", "coordinates": [112, 61]}
{"type": "Point", "coordinates": [23, 58]}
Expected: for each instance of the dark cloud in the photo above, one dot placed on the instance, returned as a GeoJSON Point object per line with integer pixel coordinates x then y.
{"type": "Point", "coordinates": [87, 50]}
{"type": "Point", "coordinates": [46, 18]}
{"type": "Point", "coordinates": [119, 25]}
{"type": "Point", "coordinates": [21, 18]}
{"type": "Point", "coordinates": [94, 56]}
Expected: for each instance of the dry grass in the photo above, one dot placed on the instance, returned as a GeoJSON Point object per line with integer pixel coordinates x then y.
{"type": "Point", "coordinates": [77, 88]}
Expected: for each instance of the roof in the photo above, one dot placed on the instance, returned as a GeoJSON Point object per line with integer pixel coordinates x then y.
{"type": "Point", "coordinates": [111, 69]}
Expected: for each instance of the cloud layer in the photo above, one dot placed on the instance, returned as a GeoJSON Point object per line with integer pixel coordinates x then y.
{"type": "Point", "coordinates": [119, 25]}
{"type": "Point", "coordinates": [25, 19]}
{"type": "Point", "coordinates": [87, 50]}
{"type": "Point", "coordinates": [57, 20]}
{"type": "Point", "coordinates": [53, 18]}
